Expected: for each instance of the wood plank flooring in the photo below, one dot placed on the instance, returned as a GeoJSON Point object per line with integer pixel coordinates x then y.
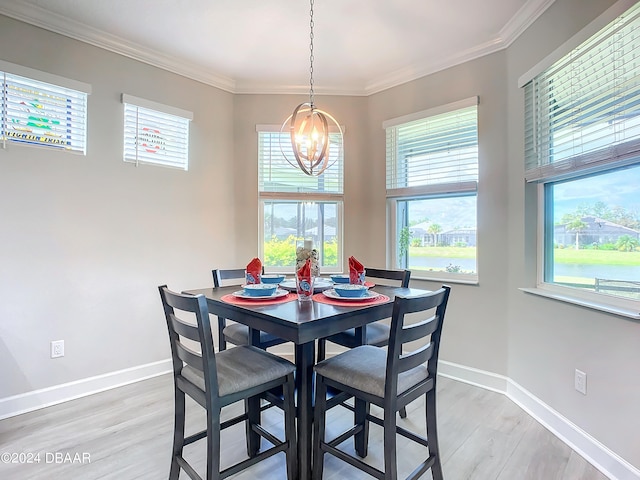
{"type": "Point", "coordinates": [125, 434]}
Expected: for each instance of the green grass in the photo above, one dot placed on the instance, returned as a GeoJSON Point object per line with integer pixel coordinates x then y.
{"type": "Point", "coordinates": [562, 255]}
{"type": "Point", "coordinates": [596, 257]}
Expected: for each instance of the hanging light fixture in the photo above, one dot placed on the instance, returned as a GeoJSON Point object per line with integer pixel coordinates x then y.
{"type": "Point", "coordinates": [308, 131]}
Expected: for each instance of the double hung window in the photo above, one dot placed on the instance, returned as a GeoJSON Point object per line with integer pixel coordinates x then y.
{"type": "Point", "coordinates": [295, 207]}
{"type": "Point", "coordinates": [432, 176]}
{"type": "Point", "coordinates": [42, 109]}
{"type": "Point", "coordinates": [582, 136]}
{"type": "Point", "coordinates": [155, 133]}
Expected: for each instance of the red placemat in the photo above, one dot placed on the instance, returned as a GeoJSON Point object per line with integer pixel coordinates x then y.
{"type": "Point", "coordinates": [322, 298]}
{"type": "Point", "coordinates": [257, 303]}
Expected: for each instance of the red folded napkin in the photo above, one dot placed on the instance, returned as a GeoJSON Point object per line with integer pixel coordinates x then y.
{"type": "Point", "coordinates": [356, 271]}
{"type": "Point", "coordinates": [254, 271]}
{"type": "Point", "coordinates": [304, 279]}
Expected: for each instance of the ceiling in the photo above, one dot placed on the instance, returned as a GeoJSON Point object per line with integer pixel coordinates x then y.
{"type": "Point", "coordinates": [259, 46]}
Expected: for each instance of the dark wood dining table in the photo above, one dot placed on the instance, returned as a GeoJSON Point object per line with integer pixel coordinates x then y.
{"type": "Point", "coordinates": [302, 323]}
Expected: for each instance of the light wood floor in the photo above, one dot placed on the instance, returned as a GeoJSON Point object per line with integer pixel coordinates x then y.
{"type": "Point", "coordinates": [126, 433]}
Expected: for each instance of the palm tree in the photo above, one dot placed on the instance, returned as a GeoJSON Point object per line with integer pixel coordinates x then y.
{"type": "Point", "coordinates": [577, 225]}
{"type": "Point", "coordinates": [434, 229]}
{"type": "Point", "coordinates": [627, 243]}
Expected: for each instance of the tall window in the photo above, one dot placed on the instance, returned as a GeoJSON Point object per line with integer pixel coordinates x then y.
{"type": "Point", "coordinates": [155, 133]}
{"type": "Point", "coordinates": [295, 207]}
{"type": "Point", "coordinates": [583, 149]}
{"type": "Point", "coordinates": [432, 176]}
{"type": "Point", "coordinates": [36, 112]}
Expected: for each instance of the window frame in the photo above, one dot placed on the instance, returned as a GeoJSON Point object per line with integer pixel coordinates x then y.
{"type": "Point", "coordinates": [300, 197]}
{"type": "Point", "coordinates": [50, 83]}
{"type": "Point", "coordinates": [429, 192]}
{"type": "Point", "coordinates": [179, 124]}
{"type": "Point", "coordinates": [545, 178]}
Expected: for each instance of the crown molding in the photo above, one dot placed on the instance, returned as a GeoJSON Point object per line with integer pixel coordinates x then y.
{"type": "Point", "coordinates": [40, 17]}
{"type": "Point", "coordinates": [527, 14]}
{"type": "Point", "coordinates": [56, 23]}
{"type": "Point", "coordinates": [523, 19]}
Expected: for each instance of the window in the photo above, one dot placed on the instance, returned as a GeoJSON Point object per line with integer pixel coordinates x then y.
{"type": "Point", "coordinates": [36, 112]}
{"type": "Point", "coordinates": [295, 207]}
{"type": "Point", "coordinates": [583, 149]}
{"type": "Point", "coordinates": [432, 176]}
{"type": "Point", "coordinates": [156, 134]}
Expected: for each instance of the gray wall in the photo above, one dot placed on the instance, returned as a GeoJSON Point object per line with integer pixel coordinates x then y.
{"type": "Point", "coordinates": [548, 339]}
{"type": "Point", "coordinates": [86, 240]}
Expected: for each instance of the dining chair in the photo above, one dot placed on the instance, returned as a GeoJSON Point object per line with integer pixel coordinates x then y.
{"type": "Point", "coordinates": [377, 333]}
{"type": "Point", "coordinates": [390, 379]}
{"type": "Point", "coordinates": [236, 333]}
{"type": "Point", "coordinates": [216, 380]}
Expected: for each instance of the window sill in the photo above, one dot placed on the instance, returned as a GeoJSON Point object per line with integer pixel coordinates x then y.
{"type": "Point", "coordinates": [603, 307]}
{"type": "Point", "coordinates": [461, 281]}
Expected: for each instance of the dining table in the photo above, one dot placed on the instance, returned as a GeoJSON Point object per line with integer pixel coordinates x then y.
{"type": "Point", "coordinates": [302, 323]}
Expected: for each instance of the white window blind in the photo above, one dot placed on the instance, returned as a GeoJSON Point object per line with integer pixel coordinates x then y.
{"type": "Point", "coordinates": [582, 114]}
{"type": "Point", "coordinates": [43, 114]}
{"type": "Point", "coordinates": [275, 174]}
{"type": "Point", "coordinates": [434, 153]}
{"type": "Point", "coordinates": [156, 134]}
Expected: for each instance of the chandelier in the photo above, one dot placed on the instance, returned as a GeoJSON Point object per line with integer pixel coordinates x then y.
{"type": "Point", "coordinates": [314, 137]}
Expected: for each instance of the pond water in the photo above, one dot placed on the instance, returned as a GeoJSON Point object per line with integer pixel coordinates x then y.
{"type": "Point", "coordinates": [610, 272]}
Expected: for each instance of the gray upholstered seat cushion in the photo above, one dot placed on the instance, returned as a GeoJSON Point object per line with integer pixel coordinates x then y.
{"type": "Point", "coordinates": [238, 334]}
{"type": "Point", "coordinates": [377, 334]}
{"type": "Point", "coordinates": [364, 368]}
{"type": "Point", "coordinates": [241, 368]}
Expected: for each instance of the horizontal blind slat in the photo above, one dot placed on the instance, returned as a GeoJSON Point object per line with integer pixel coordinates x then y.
{"type": "Point", "coordinates": [583, 112]}
{"type": "Point", "coordinates": [436, 150]}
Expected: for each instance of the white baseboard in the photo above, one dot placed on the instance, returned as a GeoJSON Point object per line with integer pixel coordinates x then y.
{"type": "Point", "coordinates": [27, 402]}
{"type": "Point", "coordinates": [601, 457]}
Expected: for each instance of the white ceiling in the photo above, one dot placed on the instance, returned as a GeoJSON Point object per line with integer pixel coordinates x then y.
{"type": "Point", "coordinates": [262, 46]}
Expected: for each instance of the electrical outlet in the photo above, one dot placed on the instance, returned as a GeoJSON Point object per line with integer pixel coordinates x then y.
{"type": "Point", "coordinates": [57, 348]}
{"type": "Point", "coordinates": [581, 382]}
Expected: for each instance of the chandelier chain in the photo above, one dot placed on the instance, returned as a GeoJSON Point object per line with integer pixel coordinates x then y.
{"type": "Point", "coordinates": [311, 55]}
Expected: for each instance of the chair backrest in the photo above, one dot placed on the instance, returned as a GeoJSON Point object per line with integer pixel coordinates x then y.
{"type": "Point", "coordinates": [222, 275]}
{"type": "Point", "coordinates": [179, 311]}
{"type": "Point", "coordinates": [402, 276]}
{"type": "Point", "coordinates": [399, 361]}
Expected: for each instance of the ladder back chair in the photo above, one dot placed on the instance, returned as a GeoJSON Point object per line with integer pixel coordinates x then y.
{"type": "Point", "coordinates": [389, 379]}
{"type": "Point", "coordinates": [236, 333]}
{"type": "Point", "coordinates": [216, 380]}
{"type": "Point", "coordinates": [376, 333]}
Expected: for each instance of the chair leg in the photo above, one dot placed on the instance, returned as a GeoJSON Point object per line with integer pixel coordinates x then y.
{"type": "Point", "coordinates": [319, 418]}
{"type": "Point", "coordinates": [222, 342]}
{"type": "Point", "coordinates": [390, 460]}
{"type": "Point", "coordinates": [403, 412]}
{"type": "Point", "coordinates": [432, 434]}
{"type": "Point", "coordinates": [178, 433]}
{"type": "Point", "coordinates": [252, 406]}
{"type": "Point", "coordinates": [322, 349]}
{"type": "Point", "coordinates": [290, 428]}
{"type": "Point", "coordinates": [361, 440]}
{"type": "Point", "coordinates": [213, 445]}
